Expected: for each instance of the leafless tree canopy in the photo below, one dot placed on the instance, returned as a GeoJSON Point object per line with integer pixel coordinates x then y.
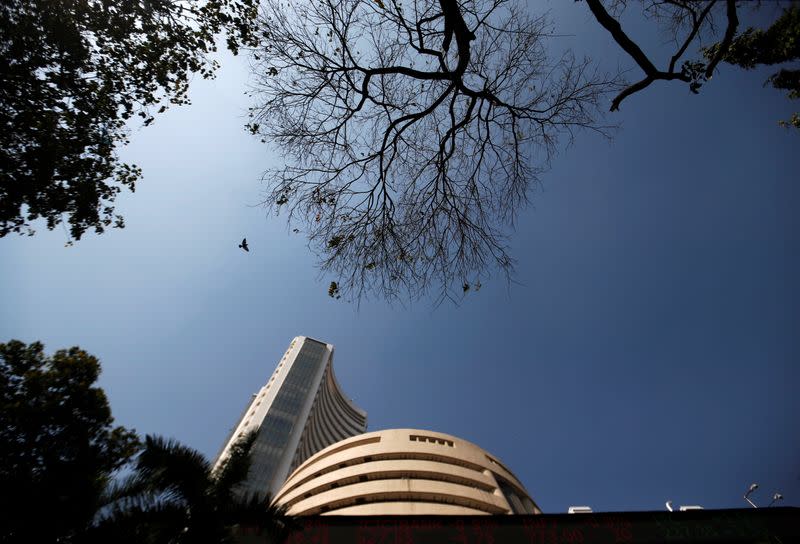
{"type": "Point", "coordinates": [412, 133]}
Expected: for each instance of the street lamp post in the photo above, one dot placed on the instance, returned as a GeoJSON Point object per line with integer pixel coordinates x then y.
{"type": "Point", "coordinates": [752, 488]}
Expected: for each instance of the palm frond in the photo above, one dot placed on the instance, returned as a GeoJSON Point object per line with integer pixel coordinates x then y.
{"type": "Point", "coordinates": [166, 466]}
{"type": "Point", "coordinates": [173, 497]}
{"type": "Point", "coordinates": [257, 513]}
{"type": "Point", "coordinates": [140, 521]}
{"type": "Point", "coordinates": [120, 489]}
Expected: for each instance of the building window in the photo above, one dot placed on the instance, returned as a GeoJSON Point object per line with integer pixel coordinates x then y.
{"type": "Point", "coordinates": [432, 440]}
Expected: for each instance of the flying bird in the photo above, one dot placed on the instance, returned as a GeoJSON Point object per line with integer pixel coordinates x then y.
{"type": "Point", "coordinates": [243, 245]}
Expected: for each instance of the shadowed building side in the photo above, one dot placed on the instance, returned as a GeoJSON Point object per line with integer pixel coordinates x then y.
{"type": "Point", "coordinates": [333, 417]}
{"type": "Point", "coordinates": [404, 472]}
{"type": "Point", "coordinates": [299, 411]}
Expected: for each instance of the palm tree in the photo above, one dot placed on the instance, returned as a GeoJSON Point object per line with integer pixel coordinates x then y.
{"type": "Point", "coordinates": [174, 496]}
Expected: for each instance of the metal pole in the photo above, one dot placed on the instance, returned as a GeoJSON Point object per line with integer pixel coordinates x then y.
{"type": "Point", "coordinates": [752, 488]}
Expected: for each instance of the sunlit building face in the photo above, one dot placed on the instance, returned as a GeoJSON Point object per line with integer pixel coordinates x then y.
{"type": "Point", "coordinates": [404, 472]}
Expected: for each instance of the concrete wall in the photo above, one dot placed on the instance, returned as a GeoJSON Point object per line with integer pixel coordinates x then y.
{"type": "Point", "coordinates": [404, 471]}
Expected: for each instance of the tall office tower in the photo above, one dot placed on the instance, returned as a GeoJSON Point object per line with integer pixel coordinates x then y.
{"type": "Point", "coordinates": [300, 411]}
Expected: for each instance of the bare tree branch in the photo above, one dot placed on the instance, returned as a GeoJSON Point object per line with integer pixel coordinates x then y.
{"type": "Point", "coordinates": [628, 45]}
{"type": "Point", "coordinates": [724, 45]}
{"type": "Point", "coordinates": [696, 24]}
{"type": "Point", "coordinates": [407, 160]}
{"type": "Point", "coordinates": [694, 17]}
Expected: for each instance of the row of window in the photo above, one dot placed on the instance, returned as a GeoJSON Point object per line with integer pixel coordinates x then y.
{"type": "Point", "coordinates": [408, 497]}
{"type": "Point", "coordinates": [431, 439]}
{"type": "Point", "coordinates": [389, 456]}
{"type": "Point", "coordinates": [355, 443]}
{"type": "Point", "coordinates": [277, 426]}
{"type": "Point", "coordinates": [394, 474]}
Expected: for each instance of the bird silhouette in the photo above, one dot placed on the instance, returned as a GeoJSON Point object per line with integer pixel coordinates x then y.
{"type": "Point", "coordinates": [243, 245]}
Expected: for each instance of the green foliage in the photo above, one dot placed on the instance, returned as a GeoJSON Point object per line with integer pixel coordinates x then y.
{"type": "Point", "coordinates": [788, 80]}
{"type": "Point", "coordinates": [778, 44]}
{"type": "Point", "coordinates": [696, 73]}
{"type": "Point", "coordinates": [74, 72]}
{"type": "Point", "coordinates": [794, 121]}
{"type": "Point", "coordinates": [58, 448]}
{"type": "Point", "coordinates": [233, 469]}
{"type": "Point", "coordinates": [59, 451]}
{"type": "Point", "coordinates": [175, 496]}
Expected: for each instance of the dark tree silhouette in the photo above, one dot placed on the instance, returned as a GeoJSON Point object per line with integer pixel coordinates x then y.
{"type": "Point", "coordinates": [58, 448]}
{"type": "Point", "coordinates": [705, 21]}
{"type": "Point", "coordinates": [72, 74]}
{"type": "Point", "coordinates": [175, 496]}
{"type": "Point", "coordinates": [778, 44]}
{"type": "Point", "coordinates": [413, 132]}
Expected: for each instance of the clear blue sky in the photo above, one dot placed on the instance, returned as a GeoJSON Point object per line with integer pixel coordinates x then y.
{"type": "Point", "coordinates": [648, 352]}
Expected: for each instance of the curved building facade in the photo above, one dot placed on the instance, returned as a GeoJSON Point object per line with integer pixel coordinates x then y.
{"type": "Point", "coordinates": [404, 472]}
{"type": "Point", "coordinates": [300, 411]}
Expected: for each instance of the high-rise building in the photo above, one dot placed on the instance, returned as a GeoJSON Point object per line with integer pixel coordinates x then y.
{"type": "Point", "coordinates": [301, 410]}
{"type": "Point", "coordinates": [404, 472]}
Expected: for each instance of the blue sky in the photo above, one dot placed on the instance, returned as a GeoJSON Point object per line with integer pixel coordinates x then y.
{"type": "Point", "coordinates": [648, 351]}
